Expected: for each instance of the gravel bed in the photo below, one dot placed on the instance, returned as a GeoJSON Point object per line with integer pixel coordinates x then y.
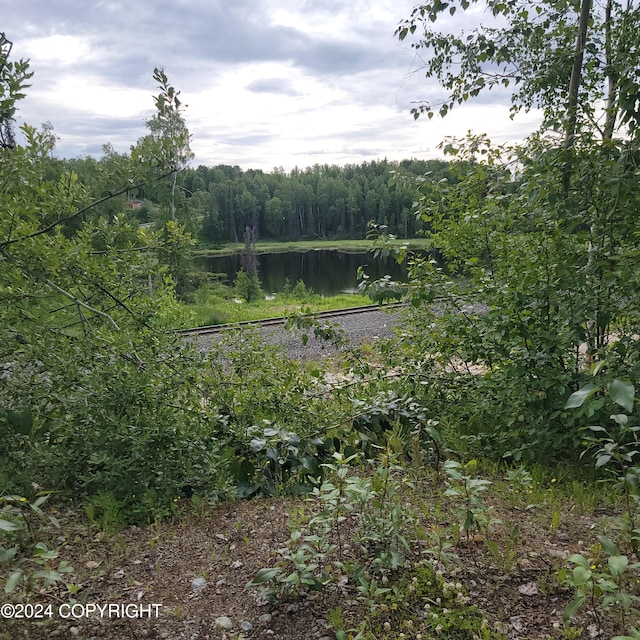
{"type": "Point", "coordinates": [357, 328]}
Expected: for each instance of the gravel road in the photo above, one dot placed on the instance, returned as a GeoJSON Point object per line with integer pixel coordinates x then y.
{"type": "Point", "coordinates": [357, 328]}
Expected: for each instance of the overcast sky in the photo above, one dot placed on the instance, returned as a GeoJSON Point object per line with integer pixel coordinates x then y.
{"type": "Point", "coordinates": [268, 83]}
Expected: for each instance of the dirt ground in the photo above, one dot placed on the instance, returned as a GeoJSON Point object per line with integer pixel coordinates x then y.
{"type": "Point", "coordinates": [187, 579]}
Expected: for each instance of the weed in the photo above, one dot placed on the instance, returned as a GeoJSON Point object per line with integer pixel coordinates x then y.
{"type": "Point", "coordinates": [28, 564]}
{"type": "Point", "coordinates": [425, 604]}
{"type": "Point", "coordinates": [604, 586]}
{"type": "Point", "coordinates": [439, 548]}
{"type": "Point", "coordinates": [468, 490]}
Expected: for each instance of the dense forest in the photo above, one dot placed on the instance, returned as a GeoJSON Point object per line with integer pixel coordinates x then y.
{"type": "Point", "coordinates": [217, 203]}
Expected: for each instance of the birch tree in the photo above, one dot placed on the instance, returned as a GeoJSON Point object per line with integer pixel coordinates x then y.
{"type": "Point", "coordinates": [545, 232]}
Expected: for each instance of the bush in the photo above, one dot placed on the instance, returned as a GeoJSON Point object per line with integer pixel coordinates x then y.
{"type": "Point", "coordinates": [247, 287]}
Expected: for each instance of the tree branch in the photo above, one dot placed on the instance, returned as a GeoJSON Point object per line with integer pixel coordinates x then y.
{"type": "Point", "coordinates": [113, 323]}
{"type": "Point", "coordinates": [95, 203]}
{"type": "Point", "coordinates": [574, 87]}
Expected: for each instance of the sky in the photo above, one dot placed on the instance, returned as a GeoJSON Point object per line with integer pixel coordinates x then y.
{"type": "Point", "coordinates": [266, 83]}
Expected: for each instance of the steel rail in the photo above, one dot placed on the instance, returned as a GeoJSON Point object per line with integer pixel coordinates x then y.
{"type": "Point", "coordinates": [281, 320]}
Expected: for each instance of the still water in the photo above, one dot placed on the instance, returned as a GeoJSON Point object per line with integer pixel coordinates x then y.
{"type": "Point", "coordinates": [326, 272]}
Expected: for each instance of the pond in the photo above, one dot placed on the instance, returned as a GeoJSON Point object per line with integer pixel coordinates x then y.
{"type": "Point", "coordinates": [327, 272]}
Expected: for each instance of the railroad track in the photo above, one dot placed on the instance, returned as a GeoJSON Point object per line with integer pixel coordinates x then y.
{"type": "Point", "coordinates": [280, 321]}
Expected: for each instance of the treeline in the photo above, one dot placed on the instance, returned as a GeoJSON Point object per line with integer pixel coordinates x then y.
{"type": "Point", "coordinates": [326, 202]}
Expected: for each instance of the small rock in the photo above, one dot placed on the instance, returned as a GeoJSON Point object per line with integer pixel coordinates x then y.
{"type": "Point", "coordinates": [265, 618]}
{"type": "Point", "coordinates": [516, 623]}
{"type": "Point", "coordinates": [237, 564]}
{"type": "Point", "coordinates": [164, 635]}
{"type": "Point", "coordinates": [197, 585]}
{"type": "Point", "coordinates": [245, 625]}
{"type": "Point", "coordinates": [561, 535]}
{"type": "Point", "coordinates": [528, 589]}
{"type": "Point", "coordinates": [224, 623]}
{"type": "Point", "coordinates": [119, 574]}
{"type": "Point", "coordinates": [74, 631]}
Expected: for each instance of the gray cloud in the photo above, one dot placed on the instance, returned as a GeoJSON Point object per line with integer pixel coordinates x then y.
{"type": "Point", "coordinates": [345, 83]}
{"type": "Point", "coordinates": [280, 86]}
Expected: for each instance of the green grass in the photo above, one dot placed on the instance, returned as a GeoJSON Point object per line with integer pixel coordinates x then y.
{"type": "Point", "coordinates": [218, 310]}
{"type": "Point", "coordinates": [308, 245]}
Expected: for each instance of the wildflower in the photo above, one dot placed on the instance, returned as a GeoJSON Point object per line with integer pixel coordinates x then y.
{"type": "Point", "coordinates": [553, 480]}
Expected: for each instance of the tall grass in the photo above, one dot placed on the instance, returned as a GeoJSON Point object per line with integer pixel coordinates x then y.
{"type": "Point", "coordinates": [308, 245]}
{"type": "Point", "coordinates": [215, 303]}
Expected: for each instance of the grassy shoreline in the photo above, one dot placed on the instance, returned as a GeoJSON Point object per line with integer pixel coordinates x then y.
{"type": "Point", "coordinates": [308, 245]}
{"type": "Point", "coordinates": [219, 311]}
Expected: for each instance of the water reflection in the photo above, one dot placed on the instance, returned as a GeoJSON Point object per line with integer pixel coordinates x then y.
{"type": "Point", "coordinates": [326, 272]}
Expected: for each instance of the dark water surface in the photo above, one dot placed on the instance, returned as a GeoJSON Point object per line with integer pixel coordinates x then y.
{"type": "Point", "coordinates": [326, 272]}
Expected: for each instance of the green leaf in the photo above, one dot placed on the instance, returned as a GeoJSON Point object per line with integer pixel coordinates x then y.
{"type": "Point", "coordinates": [434, 434]}
{"type": "Point", "coordinates": [7, 525]}
{"type": "Point", "coordinates": [577, 398]}
{"type": "Point", "coordinates": [581, 575]}
{"type": "Point", "coordinates": [572, 608]}
{"type": "Point", "coordinates": [618, 565]}
{"type": "Point", "coordinates": [257, 444]}
{"type": "Point", "coordinates": [12, 581]}
{"type": "Point", "coordinates": [7, 554]}
{"type": "Point", "coordinates": [41, 551]}
{"type": "Point", "coordinates": [608, 546]}
{"type": "Point", "coordinates": [265, 575]}
{"type": "Point", "coordinates": [21, 420]}
{"type": "Point", "coordinates": [622, 393]}
{"type": "Point", "coordinates": [579, 559]}
{"type": "Point", "coordinates": [48, 575]}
